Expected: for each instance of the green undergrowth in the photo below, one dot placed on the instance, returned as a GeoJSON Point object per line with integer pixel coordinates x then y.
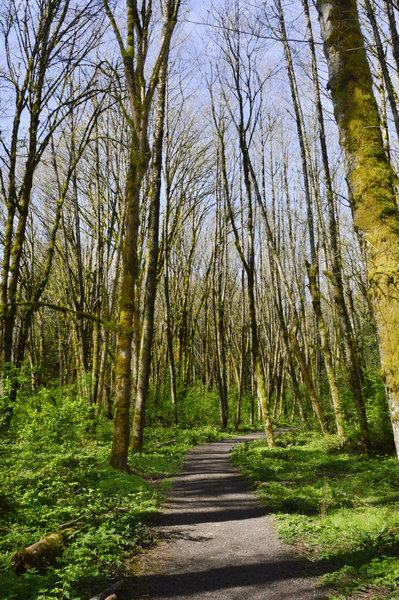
{"type": "Point", "coordinates": [46, 482]}
{"type": "Point", "coordinates": [341, 509]}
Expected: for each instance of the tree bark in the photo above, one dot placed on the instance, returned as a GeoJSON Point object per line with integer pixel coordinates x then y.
{"type": "Point", "coordinates": [370, 178]}
{"type": "Point", "coordinates": [352, 361]}
{"type": "Point", "coordinates": [151, 267]}
{"type": "Point", "coordinates": [46, 549]}
{"type": "Point", "coordinates": [140, 95]}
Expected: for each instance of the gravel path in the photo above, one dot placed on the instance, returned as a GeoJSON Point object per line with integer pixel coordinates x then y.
{"type": "Point", "coordinates": [217, 542]}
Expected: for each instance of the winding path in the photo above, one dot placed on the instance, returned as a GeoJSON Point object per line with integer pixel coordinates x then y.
{"type": "Point", "coordinates": [216, 540]}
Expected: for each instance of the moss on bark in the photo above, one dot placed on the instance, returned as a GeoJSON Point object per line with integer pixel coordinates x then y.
{"type": "Point", "coordinates": [371, 178]}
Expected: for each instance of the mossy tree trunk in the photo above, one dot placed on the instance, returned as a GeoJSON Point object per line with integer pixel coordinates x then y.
{"type": "Point", "coordinates": [141, 94]}
{"type": "Point", "coordinates": [123, 362]}
{"type": "Point", "coordinates": [151, 267]}
{"type": "Point", "coordinates": [352, 363]}
{"type": "Point", "coordinates": [370, 177]}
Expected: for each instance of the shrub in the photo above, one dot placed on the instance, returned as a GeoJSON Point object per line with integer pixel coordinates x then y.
{"type": "Point", "coordinates": [56, 419]}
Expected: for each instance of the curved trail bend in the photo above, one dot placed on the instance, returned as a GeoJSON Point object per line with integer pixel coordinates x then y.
{"type": "Point", "coordinates": [217, 542]}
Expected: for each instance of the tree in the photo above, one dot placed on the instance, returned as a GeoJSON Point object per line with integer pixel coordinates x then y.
{"type": "Point", "coordinates": [370, 178]}
{"type": "Point", "coordinates": [140, 94]}
{"type": "Point", "coordinates": [312, 267]}
{"type": "Point", "coordinates": [151, 265]}
{"type": "Point", "coordinates": [240, 60]}
{"type": "Point", "coordinates": [51, 40]}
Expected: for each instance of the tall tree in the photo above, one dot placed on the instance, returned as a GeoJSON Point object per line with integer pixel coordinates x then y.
{"type": "Point", "coordinates": [370, 177]}
{"type": "Point", "coordinates": [50, 39]}
{"type": "Point", "coordinates": [243, 122]}
{"type": "Point", "coordinates": [151, 265]}
{"type": "Point", "coordinates": [134, 54]}
{"type": "Point", "coordinates": [312, 267]}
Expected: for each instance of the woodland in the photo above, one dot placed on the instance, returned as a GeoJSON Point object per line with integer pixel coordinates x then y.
{"type": "Point", "coordinates": [199, 235]}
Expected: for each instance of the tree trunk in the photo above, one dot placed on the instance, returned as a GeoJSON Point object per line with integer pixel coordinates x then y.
{"type": "Point", "coordinates": [140, 96]}
{"type": "Point", "coordinates": [123, 367]}
{"type": "Point", "coordinates": [151, 267]}
{"type": "Point", "coordinates": [46, 549]}
{"type": "Point", "coordinates": [370, 178]}
{"type": "Point", "coordinates": [312, 268]}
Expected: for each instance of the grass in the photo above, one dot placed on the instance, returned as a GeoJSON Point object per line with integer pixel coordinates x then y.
{"type": "Point", "coordinates": [341, 509]}
{"type": "Point", "coordinates": [45, 484]}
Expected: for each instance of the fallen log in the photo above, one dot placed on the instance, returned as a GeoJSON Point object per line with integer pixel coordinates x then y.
{"type": "Point", "coordinates": [47, 548]}
{"type": "Point", "coordinates": [36, 555]}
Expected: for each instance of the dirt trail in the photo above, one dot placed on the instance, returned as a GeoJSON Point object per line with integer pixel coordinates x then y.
{"type": "Point", "coordinates": [217, 542]}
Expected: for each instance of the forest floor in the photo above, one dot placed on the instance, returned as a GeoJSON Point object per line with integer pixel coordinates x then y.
{"type": "Point", "coordinates": [336, 509]}
{"type": "Point", "coordinates": [216, 540]}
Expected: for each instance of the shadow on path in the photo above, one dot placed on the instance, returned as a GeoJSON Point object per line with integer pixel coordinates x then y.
{"type": "Point", "coordinates": [216, 540]}
{"type": "Point", "coordinates": [212, 516]}
{"type": "Point", "coordinates": [221, 579]}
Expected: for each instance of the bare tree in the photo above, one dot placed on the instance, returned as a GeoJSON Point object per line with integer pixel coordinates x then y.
{"type": "Point", "coordinates": [51, 39]}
